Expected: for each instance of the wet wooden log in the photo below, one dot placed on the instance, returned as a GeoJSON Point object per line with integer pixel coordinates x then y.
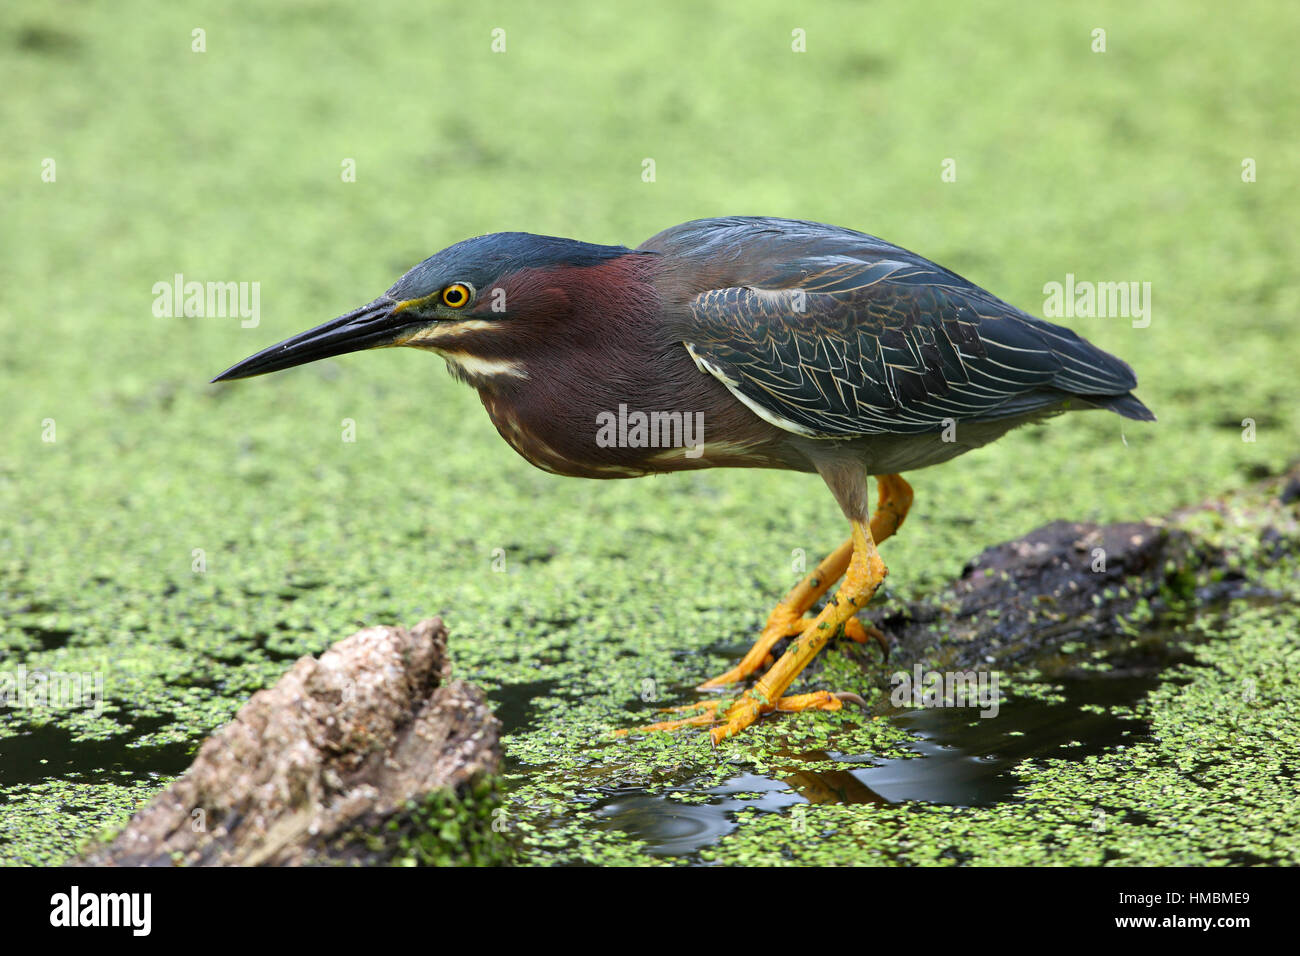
{"type": "Point", "coordinates": [1069, 581]}
{"type": "Point", "coordinates": [1062, 582]}
{"type": "Point", "coordinates": [368, 754]}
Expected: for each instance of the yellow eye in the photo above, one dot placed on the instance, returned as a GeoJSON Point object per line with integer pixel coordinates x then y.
{"type": "Point", "coordinates": [456, 295]}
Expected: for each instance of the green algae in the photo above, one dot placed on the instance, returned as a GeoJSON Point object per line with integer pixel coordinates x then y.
{"type": "Point", "coordinates": [43, 824]}
{"type": "Point", "coordinates": [1213, 783]}
{"type": "Point", "coordinates": [447, 827]}
{"type": "Point", "coordinates": [615, 597]}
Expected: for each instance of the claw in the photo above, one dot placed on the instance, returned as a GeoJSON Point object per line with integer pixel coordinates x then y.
{"type": "Point", "coordinates": [860, 633]}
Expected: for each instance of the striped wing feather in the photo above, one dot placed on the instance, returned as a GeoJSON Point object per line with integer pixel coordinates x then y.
{"type": "Point", "coordinates": [891, 345]}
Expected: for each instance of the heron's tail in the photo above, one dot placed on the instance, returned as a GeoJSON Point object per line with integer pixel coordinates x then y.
{"type": "Point", "coordinates": [1127, 405]}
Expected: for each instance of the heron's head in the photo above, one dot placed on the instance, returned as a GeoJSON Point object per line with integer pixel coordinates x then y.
{"type": "Point", "coordinates": [484, 304]}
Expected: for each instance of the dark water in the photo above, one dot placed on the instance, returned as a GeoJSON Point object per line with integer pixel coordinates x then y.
{"type": "Point", "coordinates": [960, 760]}
{"type": "Point", "coordinates": [672, 828]}
{"type": "Point", "coordinates": [513, 703]}
{"type": "Point", "coordinates": [49, 752]}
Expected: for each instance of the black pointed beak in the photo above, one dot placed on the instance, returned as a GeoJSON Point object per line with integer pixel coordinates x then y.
{"type": "Point", "coordinates": [368, 327]}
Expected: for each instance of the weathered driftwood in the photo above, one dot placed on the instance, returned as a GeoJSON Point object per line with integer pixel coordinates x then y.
{"type": "Point", "coordinates": [367, 754]}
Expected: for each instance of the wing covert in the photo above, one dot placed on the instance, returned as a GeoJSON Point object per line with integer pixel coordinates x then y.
{"type": "Point", "coordinates": [849, 347]}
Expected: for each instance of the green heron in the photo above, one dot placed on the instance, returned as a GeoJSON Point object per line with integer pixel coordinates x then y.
{"type": "Point", "coordinates": [790, 344]}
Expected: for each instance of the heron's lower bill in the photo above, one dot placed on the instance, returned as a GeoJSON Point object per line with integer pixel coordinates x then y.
{"type": "Point", "coordinates": [374, 325]}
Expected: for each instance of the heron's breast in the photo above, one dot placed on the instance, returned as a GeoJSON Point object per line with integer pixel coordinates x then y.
{"type": "Point", "coordinates": [557, 449]}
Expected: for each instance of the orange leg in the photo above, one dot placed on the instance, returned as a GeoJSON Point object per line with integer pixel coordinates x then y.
{"type": "Point", "coordinates": [866, 571]}
{"type": "Point", "coordinates": [894, 498]}
{"type": "Point", "coordinates": [786, 618]}
{"type": "Point", "coordinates": [893, 501]}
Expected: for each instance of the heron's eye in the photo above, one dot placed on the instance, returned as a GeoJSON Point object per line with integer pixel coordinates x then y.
{"type": "Point", "coordinates": [456, 295]}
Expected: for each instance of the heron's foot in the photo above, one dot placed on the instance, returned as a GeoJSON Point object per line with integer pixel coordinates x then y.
{"type": "Point", "coordinates": [716, 712]}
{"type": "Point", "coordinates": [747, 709]}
